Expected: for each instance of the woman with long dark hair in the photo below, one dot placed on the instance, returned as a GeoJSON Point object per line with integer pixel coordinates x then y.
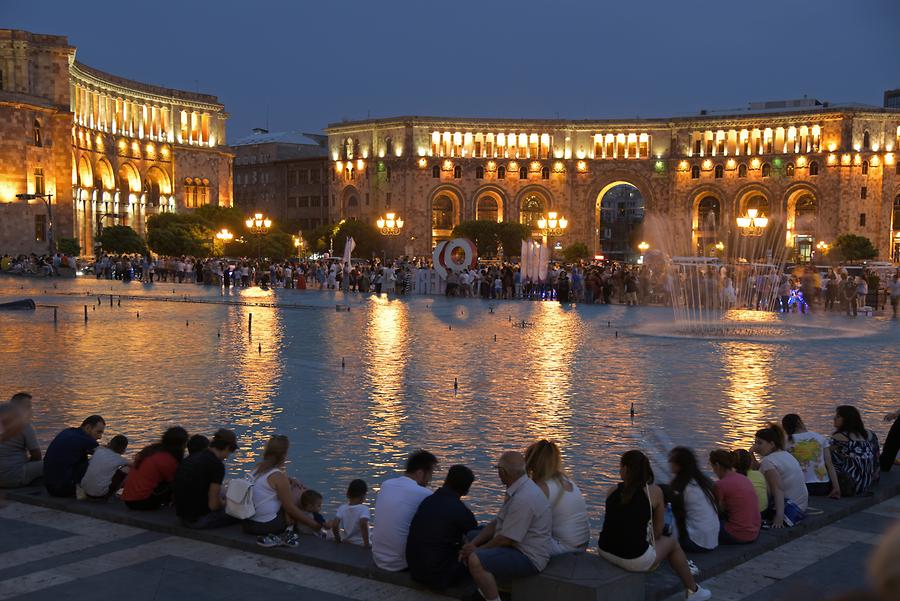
{"type": "Point", "coordinates": [854, 450]}
{"type": "Point", "coordinates": [810, 449]}
{"type": "Point", "coordinates": [783, 475]}
{"type": "Point", "coordinates": [632, 535]}
{"type": "Point", "coordinates": [149, 483]}
{"type": "Point", "coordinates": [694, 503]}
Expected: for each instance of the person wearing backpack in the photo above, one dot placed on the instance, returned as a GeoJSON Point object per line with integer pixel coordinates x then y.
{"type": "Point", "coordinates": [275, 499]}
{"type": "Point", "coordinates": [199, 500]}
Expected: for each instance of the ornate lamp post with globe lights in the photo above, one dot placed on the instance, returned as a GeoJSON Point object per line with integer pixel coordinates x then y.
{"type": "Point", "coordinates": [389, 225]}
{"type": "Point", "coordinates": [752, 224]}
{"type": "Point", "coordinates": [258, 225]}
{"type": "Point", "coordinates": [552, 225]}
{"type": "Point", "coordinates": [223, 236]}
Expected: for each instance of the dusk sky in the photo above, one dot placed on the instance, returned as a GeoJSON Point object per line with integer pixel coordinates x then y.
{"type": "Point", "coordinates": [312, 63]}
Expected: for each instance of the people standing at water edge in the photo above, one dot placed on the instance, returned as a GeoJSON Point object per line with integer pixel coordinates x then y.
{"type": "Point", "coordinates": [395, 506]}
{"type": "Point", "coordinates": [571, 530]}
{"type": "Point", "coordinates": [107, 469]}
{"type": "Point", "coordinates": [517, 543]}
{"type": "Point", "coordinates": [437, 531]}
{"type": "Point", "coordinates": [197, 488]}
{"type": "Point", "coordinates": [632, 537]}
{"type": "Point", "coordinates": [811, 450]}
{"type": "Point", "coordinates": [854, 450]}
{"type": "Point", "coordinates": [66, 460]}
{"type": "Point", "coordinates": [739, 513]}
{"type": "Point", "coordinates": [788, 497]}
{"type": "Point", "coordinates": [20, 453]}
{"type": "Point", "coordinates": [149, 483]}
{"type": "Point", "coordinates": [351, 522]}
{"type": "Point", "coordinates": [694, 503]}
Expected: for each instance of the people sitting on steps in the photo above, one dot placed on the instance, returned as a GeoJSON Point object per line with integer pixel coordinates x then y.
{"type": "Point", "coordinates": [66, 459]}
{"type": "Point", "coordinates": [21, 462]}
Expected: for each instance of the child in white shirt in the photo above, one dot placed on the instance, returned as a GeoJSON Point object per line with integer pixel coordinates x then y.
{"type": "Point", "coordinates": [352, 521]}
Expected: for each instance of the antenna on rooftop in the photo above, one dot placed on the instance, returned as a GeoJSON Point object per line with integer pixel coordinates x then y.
{"type": "Point", "coordinates": [267, 116]}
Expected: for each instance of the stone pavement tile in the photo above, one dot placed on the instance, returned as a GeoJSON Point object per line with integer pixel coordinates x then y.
{"type": "Point", "coordinates": [866, 522]}
{"type": "Point", "coordinates": [15, 534]}
{"type": "Point", "coordinates": [53, 557]}
{"type": "Point", "coordinates": [70, 522]}
{"type": "Point", "coordinates": [155, 580]}
{"type": "Point", "coordinates": [828, 577]}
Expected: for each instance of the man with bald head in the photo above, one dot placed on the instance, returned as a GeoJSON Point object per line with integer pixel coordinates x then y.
{"type": "Point", "coordinates": [517, 542]}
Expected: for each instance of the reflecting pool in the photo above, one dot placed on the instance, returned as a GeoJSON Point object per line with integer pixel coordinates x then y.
{"type": "Point", "coordinates": [570, 374]}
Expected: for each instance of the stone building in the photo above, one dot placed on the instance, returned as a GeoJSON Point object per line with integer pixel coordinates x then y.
{"type": "Point", "coordinates": [110, 151]}
{"type": "Point", "coordinates": [814, 170]}
{"type": "Point", "coordinates": [283, 175]}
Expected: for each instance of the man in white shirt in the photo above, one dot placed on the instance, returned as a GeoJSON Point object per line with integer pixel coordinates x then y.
{"type": "Point", "coordinates": [395, 507]}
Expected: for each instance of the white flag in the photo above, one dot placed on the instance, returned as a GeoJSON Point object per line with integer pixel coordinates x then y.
{"type": "Point", "coordinates": [348, 249]}
{"type": "Point", "coordinates": [523, 262]}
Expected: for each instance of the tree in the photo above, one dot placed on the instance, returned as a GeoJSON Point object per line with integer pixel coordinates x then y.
{"type": "Point", "coordinates": [368, 239]}
{"type": "Point", "coordinates": [576, 252]}
{"type": "Point", "coordinates": [68, 247]}
{"type": "Point", "coordinates": [121, 239]}
{"type": "Point", "coordinates": [850, 247]}
{"type": "Point", "coordinates": [488, 236]}
{"type": "Point", "coordinates": [174, 234]}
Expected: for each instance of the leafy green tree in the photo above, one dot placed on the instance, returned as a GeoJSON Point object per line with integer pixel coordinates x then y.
{"type": "Point", "coordinates": [510, 235]}
{"type": "Point", "coordinates": [175, 234]}
{"type": "Point", "coordinates": [576, 252]}
{"type": "Point", "coordinates": [850, 247]}
{"type": "Point", "coordinates": [121, 239]}
{"type": "Point", "coordinates": [368, 239]}
{"type": "Point", "coordinates": [68, 247]}
{"type": "Point", "coordinates": [488, 236]}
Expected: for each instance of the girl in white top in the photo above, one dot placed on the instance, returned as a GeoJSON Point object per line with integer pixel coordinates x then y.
{"type": "Point", "coordinates": [571, 530]}
{"type": "Point", "coordinates": [697, 516]}
{"type": "Point", "coordinates": [276, 499]}
{"type": "Point", "coordinates": [783, 473]}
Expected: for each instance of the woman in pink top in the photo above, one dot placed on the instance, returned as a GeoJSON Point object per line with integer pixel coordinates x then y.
{"type": "Point", "coordinates": [736, 498]}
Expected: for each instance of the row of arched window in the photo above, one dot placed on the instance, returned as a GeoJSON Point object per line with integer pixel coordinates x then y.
{"type": "Point", "coordinates": [479, 172]}
{"type": "Point", "coordinates": [765, 170]}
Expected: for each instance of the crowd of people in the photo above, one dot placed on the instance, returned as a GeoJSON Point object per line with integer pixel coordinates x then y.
{"type": "Point", "coordinates": [433, 534]}
{"type": "Point", "coordinates": [711, 286]}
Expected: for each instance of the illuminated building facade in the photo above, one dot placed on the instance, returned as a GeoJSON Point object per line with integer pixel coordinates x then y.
{"type": "Point", "coordinates": [817, 171]}
{"type": "Point", "coordinates": [111, 151]}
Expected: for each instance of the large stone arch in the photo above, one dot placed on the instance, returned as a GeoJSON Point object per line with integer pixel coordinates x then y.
{"type": "Point", "coordinates": [794, 193]}
{"type": "Point", "coordinates": [128, 179]}
{"type": "Point", "coordinates": [698, 194]}
{"type": "Point", "coordinates": [105, 175]}
{"type": "Point", "coordinates": [745, 193]}
{"type": "Point", "coordinates": [608, 181]}
{"type": "Point", "coordinates": [497, 193]}
{"type": "Point", "coordinates": [85, 173]}
{"type": "Point", "coordinates": [526, 198]}
{"type": "Point", "coordinates": [442, 224]}
{"type": "Point", "coordinates": [351, 203]}
{"type": "Point", "coordinates": [802, 219]}
{"type": "Point", "coordinates": [709, 217]}
{"type": "Point", "coordinates": [158, 187]}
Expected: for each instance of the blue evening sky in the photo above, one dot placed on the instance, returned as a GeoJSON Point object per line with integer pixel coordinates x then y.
{"type": "Point", "coordinates": [312, 63]}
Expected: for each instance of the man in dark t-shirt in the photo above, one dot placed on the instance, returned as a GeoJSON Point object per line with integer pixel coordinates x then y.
{"type": "Point", "coordinates": [438, 530]}
{"type": "Point", "coordinates": [66, 459]}
{"type": "Point", "coordinates": [197, 488]}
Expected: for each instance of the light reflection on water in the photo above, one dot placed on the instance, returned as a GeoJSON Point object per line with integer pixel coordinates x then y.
{"type": "Point", "coordinates": [566, 377]}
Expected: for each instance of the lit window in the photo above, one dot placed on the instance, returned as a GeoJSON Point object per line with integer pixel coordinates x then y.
{"type": "Point", "coordinates": [39, 181]}
{"type": "Point", "coordinates": [545, 173]}
{"type": "Point", "coordinates": [766, 170]}
{"type": "Point", "coordinates": [501, 172]}
{"type": "Point", "coordinates": [789, 170]}
{"type": "Point", "coordinates": [38, 134]}
{"type": "Point", "coordinates": [865, 167]}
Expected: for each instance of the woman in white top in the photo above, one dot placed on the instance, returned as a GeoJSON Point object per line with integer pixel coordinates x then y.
{"type": "Point", "coordinates": [276, 498]}
{"type": "Point", "coordinates": [783, 474]}
{"type": "Point", "coordinates": [811, 451]}
{"type": "Point", "coordinates": [694, 503]}
{"type": "Point", "coordinates": [571, 530]}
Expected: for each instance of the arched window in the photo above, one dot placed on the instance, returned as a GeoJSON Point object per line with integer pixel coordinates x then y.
{"type": "Point", "coordinates": [742, 170]}
{"type": "Point", "coordinates": [457, 172]}
{"type": "Point", "coordinates": [523, 172]}
{"type": "Point", "coordinates": [695, 172]}
{"type": "Point", "coordinates": [353, 201]}
{"type": "Point", "coordinates": [865, 167]}
{"type": "Point", "coordinates": [38, 134]}
{"type": "Point", "coordinates": [545, 173]}
{"type": "Point", "coordinates": [487, 209]}
{"type": "Point", "coordinates": [436, 172]}
{"type": "Point", "coordinates": [866, 140]}
{"type": "Point", "coordinates": [789, 170]}
{"type": "Point", "coordinates": [532, 210]}
{"type": "Point", "coordinates": [758, 202]}
{"type": "Point", "coordinates": [501, 172]}
{"type": "Point", "coordinates": [719, 172]}
{"type": "Point", "coordinates": [442, 213]}
{"type": "Point", "coordinates": [814, 168]}
{"type": "Point", "coordinates": [805, 214]}
{"type": "Point", "coordinates": [389, 146]}
{"type": "Point", "coordinates": [708, 214]}
{"type": "Point", "coordinates": [479, 172]}
{"type": "Point", "coordinates": [348, 148]}
{"type": "Point", "coordinates": [766, 170]}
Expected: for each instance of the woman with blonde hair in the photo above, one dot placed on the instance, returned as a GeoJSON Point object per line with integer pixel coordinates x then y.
{"type": "Point", "coordinates": [571, 531]}
{"type": "Point", "coordinates": [276, 498]}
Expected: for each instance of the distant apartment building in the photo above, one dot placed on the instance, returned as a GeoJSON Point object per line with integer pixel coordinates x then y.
{"type": "Point", "coordinates": [284, 175]}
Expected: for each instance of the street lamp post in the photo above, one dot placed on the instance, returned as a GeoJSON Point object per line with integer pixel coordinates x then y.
{"type": "Point", "coordinates": [48, 200]}
{"type": "Point", "coordinates": [552, 225]}
{"type": "Point", "coordinates": [258, 225]}
{"type": "Point", "coordinates": [225, 236]}
{"type": "Point", "coordinates": [390, 224]}
{"type": "Point", "coordinates": [752, 224]}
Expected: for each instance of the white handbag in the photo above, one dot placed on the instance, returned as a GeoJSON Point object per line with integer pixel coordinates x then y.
{"type": "Point", "coordinates": [239, 498]}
